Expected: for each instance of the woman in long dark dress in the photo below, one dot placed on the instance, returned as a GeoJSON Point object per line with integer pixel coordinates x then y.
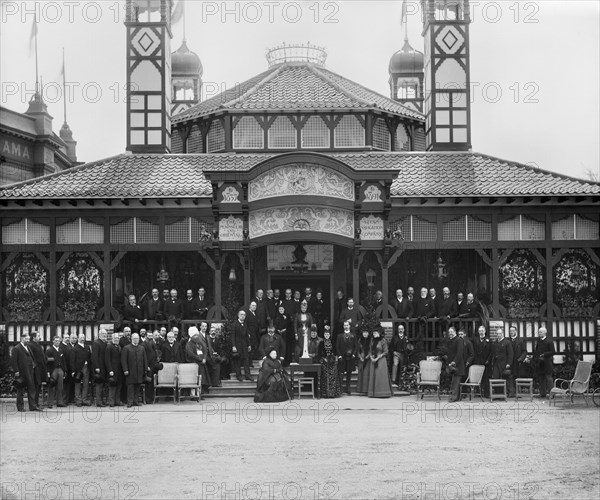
{"type": "Point", "coordinates": [330, 377]}
{"type": "Point", "coordinates": [273, 382]}
{"type": "Point", "coordinates": [364, 362]}
{"type": "Point", "coordinates": [283, 328]}
{"type": "Point", "coordinates": [380, 385]}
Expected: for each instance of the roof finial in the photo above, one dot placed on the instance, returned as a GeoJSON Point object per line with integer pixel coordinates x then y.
{"type": "Point", "coordinates": [404, 22]}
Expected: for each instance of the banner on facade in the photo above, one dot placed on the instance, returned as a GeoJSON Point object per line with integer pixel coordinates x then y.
{"type": "Point", "coordinates": [318, 257]}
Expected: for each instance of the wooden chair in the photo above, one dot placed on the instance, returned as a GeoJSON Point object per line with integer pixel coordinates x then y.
{"type": "Point", "coordinates": [429, 376]}
{"type": "Point", "coordinates": [189, 378]}
{"type": "Point", "coordinates": [473, 381]}
{"type": "Point", "coordinates": [577, 386]}
{"type": "Point", "coordinates": [306, 382]}
{"type": "Point", "coordinates": [166, 378]}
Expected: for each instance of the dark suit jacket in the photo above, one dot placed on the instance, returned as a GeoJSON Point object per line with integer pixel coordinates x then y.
{"type": "Point", "coordinates": [55, 359]}
{"type": "Point", "coordinates": [66, 350]}
{"type": "Point", "coordinates": [483, 351]}
{"type": "Point", "coordinates": [455, 352]}
{"type": "Point", "coordinates": [543, 354]}
{"type": "Point", "coordinates": [173, 308]}
{"type": "Point", "coordinates": [190, 308]}
{"type": "Point", "coordinates": [112, 361]}
{"type": "Point", "coordinates": [268, 342]}
{"type": "Point", "coordinates": [131, 313]}
{"type": "Point", "coordinates": [290, 307]}
{"type": "Point", "coordinates": [519, 354]}
{"type": "Point", "coordinates": [98, 357]}
{"type": "Point", "coordinates": [346, 347]}
{"type": "Point", "coordinates": [202, 307]}
{"type": "Point", "coordinates": [241, 339]}
{"type": "Point", "coordinates": [133, 360]}
{"type": "Point", "coordinates": [261, 314]}
{"type": "Point", "coordinates": [447, 308]}
{"type": "Point", "coordinates": [469, 352]}
{"type": "Point", "coordinates": [39, 358]}
{"type": "Point", "coordinates": [272, 306]}
{"type": "Point", "coordinates": [469, 310]}
{"type": "Point", "coordinates": [403, 309]}
{"type": "Point", "coordinates": [155, 309]}
{"type": "Point", "coordinates": [170, 354]}
{"type": "Point", "coordinates": [252, 325]}
{"type": "Point", "coordinates": [150, 348]}
{"type": "Point", "coordinates": [424, 308]}
{"type": "Point", "coordinates": [22, 362]}
{"type": "Point", "coordinates": [79, 355]}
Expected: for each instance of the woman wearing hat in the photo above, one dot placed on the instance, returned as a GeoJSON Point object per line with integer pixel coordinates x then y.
{"type": "Point", "coordinates": [273, 382]}
{"type": "Point", "coordinates": [364, 362]}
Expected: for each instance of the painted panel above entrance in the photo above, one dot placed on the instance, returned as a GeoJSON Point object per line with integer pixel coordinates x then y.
{"type": "Point", "coordinates": [318, 257]}
{"type": "Point", "coordinates": [301, 179]}
{"type": "Point", "coordinates": [275, 220]}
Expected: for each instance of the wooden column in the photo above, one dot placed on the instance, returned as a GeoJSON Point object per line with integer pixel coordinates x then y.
{"type": "Point", "coordinates": [495, 281]}
{"type": "Point", "coordinates": [549, 280]}
{"type": "Point", "coordinates": [52, 284]}
{"type": "Point", "coordinates": [384, 286]}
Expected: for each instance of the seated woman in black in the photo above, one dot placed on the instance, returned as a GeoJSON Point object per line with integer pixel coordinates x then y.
{"type": "Point", "coordinates": [273, 382]}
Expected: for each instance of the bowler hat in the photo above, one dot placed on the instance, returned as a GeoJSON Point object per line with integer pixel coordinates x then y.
{"type": "Point", "coordinates": [52, 382]}
{"type": "Point", "coordinates": [112, 381]}
{"type": "Point", "coordinates": [157, 367]}
{"type": "Point", "coordinates": [98, 378]}
{"type": "Point", "coordinates": [78, 377]}
{"type": "Point", "coordinates": [19, 383]}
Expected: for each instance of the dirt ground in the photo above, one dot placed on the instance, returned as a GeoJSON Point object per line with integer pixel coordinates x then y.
{"type": "Point", "coordinates": [345, 448]}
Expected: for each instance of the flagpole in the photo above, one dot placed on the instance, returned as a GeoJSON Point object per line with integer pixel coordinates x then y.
{"type": "Point", "coordinates": [37, 80]}
{"type": "Point", "coordinates": [64, 86]}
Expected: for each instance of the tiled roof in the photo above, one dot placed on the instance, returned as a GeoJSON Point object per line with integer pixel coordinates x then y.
{"type": "Point", "coordinates": [179, 176]}
{"type": "Point", "coordinates": [297, 86]}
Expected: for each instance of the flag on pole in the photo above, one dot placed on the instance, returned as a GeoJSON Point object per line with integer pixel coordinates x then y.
{"type": "Point", "coordinates": [33, 37]}
{"type": "Point", "coordinates": [178, 12]}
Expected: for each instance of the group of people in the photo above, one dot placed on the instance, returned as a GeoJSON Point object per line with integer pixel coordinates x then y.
{"type": "Point", "coordinates": [502, 357]}
{"type": "Point", "coordinates": [117, 366]}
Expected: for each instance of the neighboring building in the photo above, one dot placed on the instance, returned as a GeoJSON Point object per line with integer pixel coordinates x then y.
{"type": "Point", "coordinates": [28, 146]}
{"type": "Point", "coordinates": [298, 176]}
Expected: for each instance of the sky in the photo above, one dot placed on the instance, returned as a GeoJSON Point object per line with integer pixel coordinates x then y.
{"type": "Point", "coordinates": [534, 65]}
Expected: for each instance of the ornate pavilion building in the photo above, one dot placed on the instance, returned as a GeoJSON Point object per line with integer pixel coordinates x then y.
{"type": "Point", "coordinates": [300, 176]}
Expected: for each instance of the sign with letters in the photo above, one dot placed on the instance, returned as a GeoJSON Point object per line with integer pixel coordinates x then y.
{"type": "Point", "coordinates": [371, 228]}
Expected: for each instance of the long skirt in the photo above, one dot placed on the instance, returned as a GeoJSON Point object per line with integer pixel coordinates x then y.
{"type": "Point", "coordinates": [379, 385]}
{"type": "Point", "coordinates": [330, 378]}
{"type": "Point", "coordinates": [275, 388]}
{"type": "Point", "coordinates": [362, 386]}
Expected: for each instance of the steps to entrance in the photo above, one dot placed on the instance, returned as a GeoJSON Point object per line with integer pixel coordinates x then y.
{"type": "Point", "coordinates": [235, 389]}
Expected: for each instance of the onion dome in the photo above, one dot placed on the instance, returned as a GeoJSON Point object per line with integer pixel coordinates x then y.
{"type": "Point", "coordinates": [406, 60]}
{"type": "Point", "coordinates": [185, 62]}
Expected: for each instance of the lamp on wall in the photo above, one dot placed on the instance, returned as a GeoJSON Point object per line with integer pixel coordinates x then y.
{"type": "Point", "coordinates": [162, 276]}
{"type": "Point", "coordinates": [232, 275]}
{"type": "Point", "coordinates": [371, 278]}
{"type": "Point", "coordinates": [440, 267]}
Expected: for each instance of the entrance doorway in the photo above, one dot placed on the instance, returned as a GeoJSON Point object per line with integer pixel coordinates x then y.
{"type": "Point", "coordinates": [300, 282]}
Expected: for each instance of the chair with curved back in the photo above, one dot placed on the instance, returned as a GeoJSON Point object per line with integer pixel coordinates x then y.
{"type": "Point", "coordinates": [429, 376]}
{"type": "Point", "coordinates": [578, 386]}
{"type": "Point", "coordinates": [473, 381]}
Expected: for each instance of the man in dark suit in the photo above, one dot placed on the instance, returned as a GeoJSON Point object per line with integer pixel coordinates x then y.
{"type": "Point", "coordinates": [241, 347]}
{"type": "Point", "coordinates": [446, 308]}
{"type": "Point", "coordinates": [252, 327]}
{"type": "Point", "coordinates": [271, 340]}
{"type": "Point", "coordinates": [424, 307]}
{"type": "Point", "coordinates": [310, 300]}
{"type": "Point", "coordinates": [469, 352]}
{"type": "Point", "coordinates": [272, 306]}
{"type": "Point", "coordinates": [261, 313]}
{"type": "Point", "coordinates": [155, 307]}
{"type": "Point", "coordinates": [470, 309]}
{"type": "Point", "coordinates": [460, 302]}
{"type": "Point", "coordinates": [402, 306]}
{"type": "Point", "coordinates": [22, 365]}
{"type": "Point", "coordinates": [152, 359]}
{"type": "Point", "coordinates": [114, 370]}
{"type": "Point", "coordinates": [134, 314]}
{"type": "Point", "coordinates": [351, 314]}
{"type": "Point", "coordinates": [347, 348]}
{"type": "Point", "coordinates": [80, 366]}
{"type": "Point", "coordinates": [99, 365]}
{"type": "Point", "coordinates": [174, 309]}
{"type": "Point", "coordinates": [190, 305]}
{"type": "Point", "coordinates": [39, 366]}
{"type": "Point", "coordinates": [543, 357]}
{"type": "Point", "coordinates": [483, 354]}
{"type": "Point", "coordinates": [135, 368]}
{"type": "Point", "coordinates": [502, 355]}
{"type": "Point", "coordinates": [68, 385]}
{"type": "Point", "coordinates": [289, 304]}
{"type": "Point", "coordinates": [202, 304]}
{"type": "Point", "coordinates": [456, 363]}
{"type": "Point", "coordinates": [519, 354]}
{"type": "Point", "coordinates": [170, 350]}
{"type": "Point", "coordinates": [56, 367]}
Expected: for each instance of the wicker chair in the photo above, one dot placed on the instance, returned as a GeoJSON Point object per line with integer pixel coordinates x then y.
{"type": "Point", "coordinates": [577, 386]}
{"type": "Point", "coordinates": [429, 376]}
{"type": "Point", "coordinates": [473, 380]}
